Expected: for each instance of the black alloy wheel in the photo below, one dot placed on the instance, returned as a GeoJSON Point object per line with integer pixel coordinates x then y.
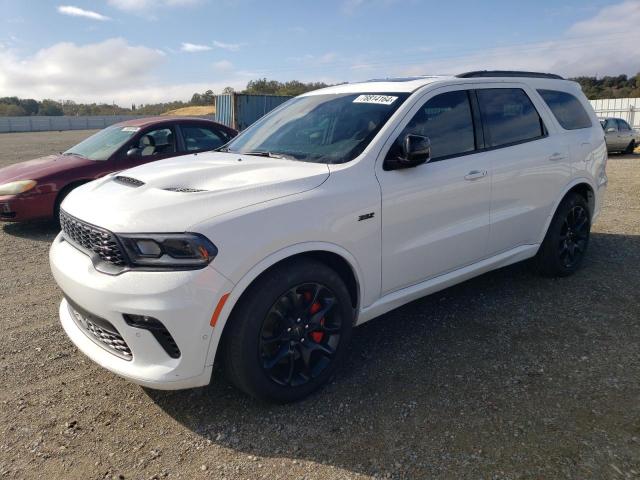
{"type": "Point", "coordinates": [574, 236]}
{"type": "Point", "coordinates": [567, 238]}
{"type": "Point", "coordinates": [289, 332]}
{"type": "Point", "coordinates": [300, 335]}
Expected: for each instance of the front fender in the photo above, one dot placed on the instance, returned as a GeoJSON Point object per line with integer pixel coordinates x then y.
{"type": "Point", "coordinates": [272, 259]}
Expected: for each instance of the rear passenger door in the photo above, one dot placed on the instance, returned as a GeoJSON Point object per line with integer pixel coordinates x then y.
{"type": "Point", "coordinates": [625, 132]}
{"type": "Point", "coordinates": [200, 138]}
{"type": "Point", "coordinates": [530, 165]}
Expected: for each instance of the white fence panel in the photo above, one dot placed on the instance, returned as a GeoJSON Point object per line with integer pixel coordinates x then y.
{"type": "Point", "coordinates": [44, 124]}
{"type": "Point", "coordinates": [625, 108]}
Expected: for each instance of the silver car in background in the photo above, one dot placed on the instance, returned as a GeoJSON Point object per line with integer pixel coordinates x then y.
{"type": "Point", "coordinates": [619, 135]}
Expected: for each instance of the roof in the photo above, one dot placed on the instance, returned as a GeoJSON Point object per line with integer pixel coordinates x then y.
{"type": "Point", "coordinates": [411, 84]}
{"type": "Point", "coordinates": [408, 84]}
{"type": "Point", "coordinates": [508, 73]}
{"type": "Point", "coordinates": [143, 122]}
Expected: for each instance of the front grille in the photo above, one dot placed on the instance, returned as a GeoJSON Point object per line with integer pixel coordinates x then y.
{"type": "Point", "coordinates": [101, 331]}
{"type": "Point", "coordinates": [94, 239]}
{"type": "Point", "coordinates": [132, 182]}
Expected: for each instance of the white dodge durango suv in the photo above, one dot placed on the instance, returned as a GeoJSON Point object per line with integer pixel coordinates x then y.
{"type": "Point", "coordinates": [340, 205]}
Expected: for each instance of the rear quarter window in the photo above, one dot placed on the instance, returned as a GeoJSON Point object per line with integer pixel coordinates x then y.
{"type": "Point", "coordinates": [509, 116]}
{"type": "Point", "coordinates": [567, 109]}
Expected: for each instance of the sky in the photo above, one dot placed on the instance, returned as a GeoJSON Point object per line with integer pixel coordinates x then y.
{"type": "Point", "coordinates": [147, 51]}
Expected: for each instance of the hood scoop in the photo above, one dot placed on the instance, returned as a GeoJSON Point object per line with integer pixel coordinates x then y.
{"type": "Point", "coordinates": [183, 189]}
{"type": "Point", "coordinates": [129, 181]}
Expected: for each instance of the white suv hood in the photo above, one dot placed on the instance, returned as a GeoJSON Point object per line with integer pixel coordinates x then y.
{"type": "Point", "coordinates": [230, 181]}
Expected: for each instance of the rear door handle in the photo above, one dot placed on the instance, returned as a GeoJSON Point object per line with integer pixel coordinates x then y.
{"type": "Point", "coordinates": [475, 174]}
{"type": "Point", "coordinates": [557, 156]}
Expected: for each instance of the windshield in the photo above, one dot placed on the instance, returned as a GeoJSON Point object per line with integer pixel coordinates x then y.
{"type": "Point", "coordinates": [332, 128]}
{"type": "Point", "coordinates": [103, 144]}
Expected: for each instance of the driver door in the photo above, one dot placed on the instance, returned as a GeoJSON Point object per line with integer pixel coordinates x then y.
{"type": "Point", "coordinates": [435, 217]}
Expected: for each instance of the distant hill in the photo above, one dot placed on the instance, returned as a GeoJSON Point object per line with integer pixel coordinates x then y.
{"type": "Point", "coordinates": [192, 111]}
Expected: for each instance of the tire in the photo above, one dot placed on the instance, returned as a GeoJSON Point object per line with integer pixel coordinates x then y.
{"type": "Point", "coordinates": [567, 239]}
{"type": "Point", "coordinates": [289, 332]}
{"type": "Point", "coordinates": [631, 147]}
{"type": "Point", "coordinates": [61, 196]}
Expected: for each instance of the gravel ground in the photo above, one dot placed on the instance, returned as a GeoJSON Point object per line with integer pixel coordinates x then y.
{"type": "Point", "coordinates": [506, 376]}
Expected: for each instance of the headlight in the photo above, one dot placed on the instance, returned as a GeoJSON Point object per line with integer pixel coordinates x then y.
{"type": "Point", "coordinates": [169, 250]}
{"type": "Point", "coordinates": [15, 188]}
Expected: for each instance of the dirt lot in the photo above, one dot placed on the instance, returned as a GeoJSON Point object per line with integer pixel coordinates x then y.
{"type": "Point", "coordinates": [506, 376]}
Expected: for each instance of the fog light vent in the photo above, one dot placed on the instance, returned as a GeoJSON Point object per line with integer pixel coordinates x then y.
{"type": "Point", "coordinates": [157, 329]}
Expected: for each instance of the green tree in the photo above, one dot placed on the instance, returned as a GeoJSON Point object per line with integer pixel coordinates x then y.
{"type": "Point", "coordinates": [262, 86]}
{"type": "Point", "coordinates": [50, 108]}
{"type": "Point", "coordinates": [11, 110]}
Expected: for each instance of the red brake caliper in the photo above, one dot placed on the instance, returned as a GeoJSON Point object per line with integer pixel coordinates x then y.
{"type": "Point", "coordinates": [315, 308]}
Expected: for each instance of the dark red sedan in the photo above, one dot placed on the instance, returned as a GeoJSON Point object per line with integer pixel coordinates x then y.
{"type": "Point", "coordinates": [34, 189]}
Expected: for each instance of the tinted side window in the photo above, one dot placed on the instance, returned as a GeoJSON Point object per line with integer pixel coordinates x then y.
{"type": "Point", "coordinates": [509, 116]}
{"type": "Point", "coordinates": [567, 109]}
{"type": "Point", "coordinates": [157, 142]}
{"type": "Point", "coordinates": [623, 126]}
{"type": "Point", "coordinates": [611, 124]}
{"type": "Point", "coordinates": [201, 138]}
{"type": "Point", "coordinates": [446, 119]}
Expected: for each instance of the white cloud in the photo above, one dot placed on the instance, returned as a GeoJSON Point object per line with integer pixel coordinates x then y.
{"type": "Point", "coordinates": [109, 71]}
{"type": "Point", "coordinates": [80, 12]}
{"type": "Point", "coordinates": [611, 19]}
{"type": "Point", "coordinates": [141, 5]}
{"type": "Point", "coordinates": [232, 47]}
{"type": "Point", "coordinates": [309, 59]}
{"type": "Point", "coordinates": [601, 45]}
{"type": "Point", "coordinates": [223, 66]}
{"type": "Point", "coordinates": [193, 47]}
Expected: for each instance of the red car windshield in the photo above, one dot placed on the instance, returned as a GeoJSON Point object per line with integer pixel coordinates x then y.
{"type": "Point", "coordinates": [103, 144]}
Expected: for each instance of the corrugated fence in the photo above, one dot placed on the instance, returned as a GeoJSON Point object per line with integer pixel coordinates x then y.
{"type": "Point", "coordinates": [625, 108]}
{"type": "Point", "coordinates": [238, 110]}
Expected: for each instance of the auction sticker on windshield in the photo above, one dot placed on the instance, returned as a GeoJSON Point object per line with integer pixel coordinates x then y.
{"type": "Point", "coordinates": [130, 129]}
{"type": "Point", "coordinates": [378, 99]}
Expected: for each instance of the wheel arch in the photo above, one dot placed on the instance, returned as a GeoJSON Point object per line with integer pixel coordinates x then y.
{"type": "Point", "coordinates": [332, 255]}
{"type": "Point", "coordinates": [62, 192]}
{"type": "Point", "coordinates": [582, 186]}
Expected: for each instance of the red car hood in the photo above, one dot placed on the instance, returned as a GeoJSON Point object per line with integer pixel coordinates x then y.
{"type": "Point", "coordinates": [41, 167]}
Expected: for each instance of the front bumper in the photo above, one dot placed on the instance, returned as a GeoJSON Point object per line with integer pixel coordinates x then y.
{"type": "Point", "coordinates": [18, 208]}
{"type": "Point", "coordinates": [183, 301]}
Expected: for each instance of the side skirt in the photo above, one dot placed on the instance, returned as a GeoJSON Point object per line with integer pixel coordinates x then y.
{"type": "Point", "coordinates": [400, 297]}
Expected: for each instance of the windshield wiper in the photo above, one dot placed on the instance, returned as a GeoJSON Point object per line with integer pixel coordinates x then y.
{"type": "Point", "coordinates": [261, 153]}
{"type": "Point", "coordinates": [74, 153]}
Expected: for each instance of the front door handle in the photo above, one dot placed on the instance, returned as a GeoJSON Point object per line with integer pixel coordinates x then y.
{"type": "Point", "coordinates": [475, 175]}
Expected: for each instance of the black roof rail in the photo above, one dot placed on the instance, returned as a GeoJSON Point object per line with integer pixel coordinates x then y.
{"type": "Point", "coordinates": [508, 73]}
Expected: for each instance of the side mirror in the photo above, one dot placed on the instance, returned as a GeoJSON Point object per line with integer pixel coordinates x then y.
{"type": "Point", "coordinates": [611, 130]}
{"type": "Point", "coordinates": [134, 152]}
{"type": "Point", "coordinates": [415, 150]}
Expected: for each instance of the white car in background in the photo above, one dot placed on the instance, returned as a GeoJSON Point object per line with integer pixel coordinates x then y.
{"type": "Point", "coordinates": [619, 135]}
{"type": "Point", "coordinates": [340, 205]}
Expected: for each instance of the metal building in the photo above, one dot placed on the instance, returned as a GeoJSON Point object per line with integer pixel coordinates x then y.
{"type": "Point", "coordinates": [239, 110]}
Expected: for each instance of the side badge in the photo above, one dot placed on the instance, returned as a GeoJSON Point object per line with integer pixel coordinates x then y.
{"type": "Point", "coordinates": [366, 216]}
